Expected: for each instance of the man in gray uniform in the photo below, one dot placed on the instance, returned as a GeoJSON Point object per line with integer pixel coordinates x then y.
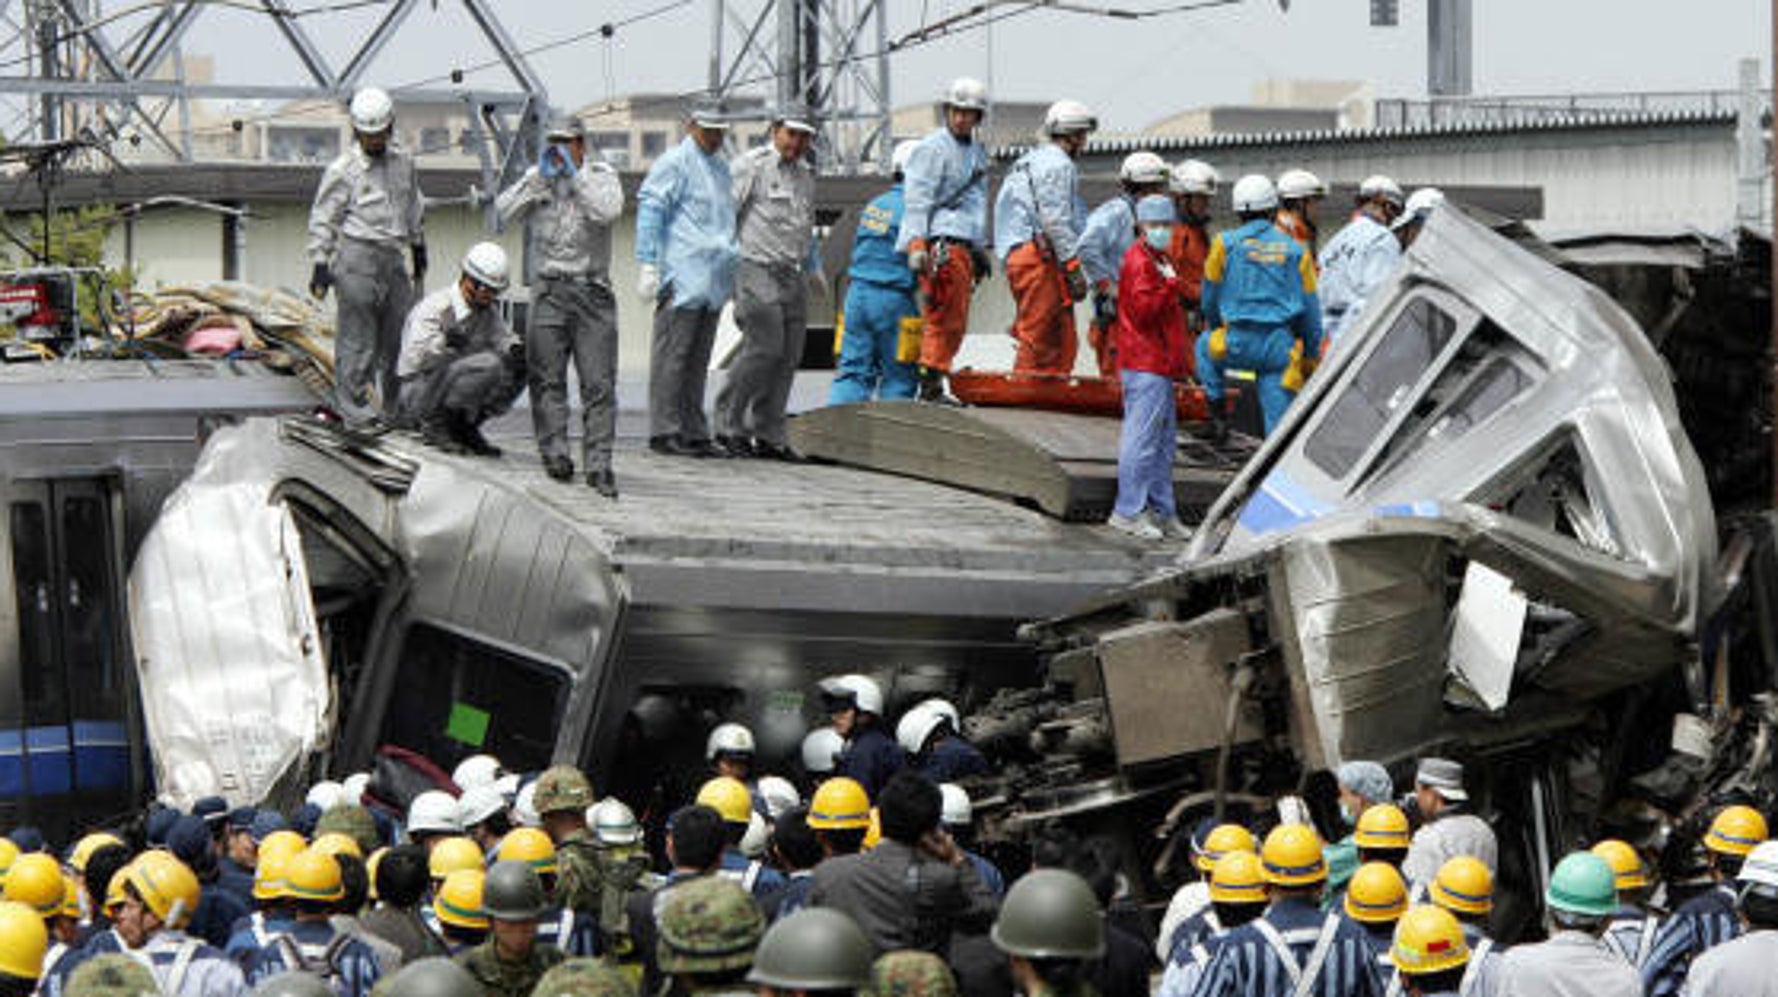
{"type": "Point", "coordinates": [1449, 830]}
{"type": "Point", "coordinates": [775, 212]}
{"type": "Point", "coordinates": [460, 363]}
{"type": "Point", "coordinates": [570, 204]}
{"type": "Point", "coordinates": [366, 211]}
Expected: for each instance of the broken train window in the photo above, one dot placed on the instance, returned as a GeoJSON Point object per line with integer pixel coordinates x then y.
{"type": "Point", "coordinates": [456, 696]}
{"type": "Point", "coordinates": [1383, 384]}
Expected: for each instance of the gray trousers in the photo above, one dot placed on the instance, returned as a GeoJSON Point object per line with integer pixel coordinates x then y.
{"type": "Point", "coordinates": [573, 317]}
{"type": "Point", "coordinates": [772, 309]}
{"type": "Point", "coordinates": [678, 366]}
{"type": "Point", "coordinates": [373, 294]}
{"type": "Point", "coordinates": [475, 387]}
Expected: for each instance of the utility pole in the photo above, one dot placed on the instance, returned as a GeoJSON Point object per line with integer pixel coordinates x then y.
{"type": "Point", "coordinates": [1772, 275]}
{"type": "Point", "coordinates": [1449, 49]}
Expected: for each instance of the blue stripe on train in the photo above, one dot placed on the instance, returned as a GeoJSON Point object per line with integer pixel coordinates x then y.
{"type": "Point", "coordinates": [101, 757]}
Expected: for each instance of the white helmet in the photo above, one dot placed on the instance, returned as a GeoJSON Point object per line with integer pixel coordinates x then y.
{"type": "Point", "coordinates": [862, 690]}
{"type": "Point", "coordinates": [821, 750]}
{"type": "Point", "coordinates": [476, 770]}
{"type": "Point", "coordinates": [955, 810]}
{"type": "Point", "coordinates": [1378, 185]}
{"type": "Point", "coordinates": [485, 263]}
{"type": "Point", "coordinates": [353, 787]}
{"type": "Point", "coordinates": [479, 804]}
{"type": "Point", "coordinates": [372, 111]}
{"type": "Point", "coordinates": [1295, 185]}
{"type": "Point", "coordinates": [1142, 167]}
{"type": "Point", "coordinates": [1254, 192]}
{"type": "Point", "coordinates": [904, 151]}
{"type": "Point", "coordinates": [613, 822]}
{"type": "Point", "coordinates": [728, 739]}
{"type": "Point", "coordinates": [967, 93]}
{"type": "Point", "coordinates": [507, 785]}
{"type": "Point", "coordinates": [1419, 206]}
{"type": "Point", "coordinates": [1069, 117]}
{"type": "Point", "coordinates": [434, 812]}
{"type": "Point", "coordinates": [945, 708]}
{"type": "Point", "coordinates": [1194, 176]}
{"type": "Point", "coordinates": [915, 727]}
{"type": "Point", "coordinates": [524, 809]}
{"type": "Point", "coordinates": [757, 836]}
{"type": "Point", "coordinates": [778, 795]}
{"type": "Point", "coordinates": [325, 794]}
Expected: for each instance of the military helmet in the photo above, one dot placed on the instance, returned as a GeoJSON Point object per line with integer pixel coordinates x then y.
{"type": "Point", "coordinates": [816, 948]}
{"type": "Point", "coordinates": [912, 973]}
{"type": "Point", "coordinates": [111, 975]}
{"type": "Point", "coordinates": [292, 984]}
{"type": "Point", "coordinates": [512, 891]}
{"type": "Point", "coordinates": [433, 977]}
{"type": "Point", "coordinates": [708, 925]}
{"type": "Point", "coordinates": [354, 822]}
{"type": "Point", "coordinates": [562, 787]}
{"type": "Point", "coordinates": [1050, 914]}
{"type": "Point", "coordinates": [584, 978]}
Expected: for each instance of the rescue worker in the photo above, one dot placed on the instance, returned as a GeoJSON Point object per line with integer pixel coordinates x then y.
{"type": "Point", "coordinates": [1210, 842]}
{"type": "Point", "coordinates": [731, 800]}
{"type": "Point", "coordinates": [1109, 232]}
{"type": "Point", "coordinates": [812, 952]}
{"type": "Point", "coordinates": [1382, 835]}
{"type": "Point", "coordinates": [774, 193]}
{"type": "Point", "coordinates": [1631, 933]}
{"type": "Point", "coordinates": [310, 943]}
{"type": "Point", "coordinates": [1038, 215]}
{"type": "Point", "coordinates": [1465, 887]}
{"type": "Point", "coordinates": [794, 849]}
{"type": "Point", "coordinates": [35, 880]}
{"type": "Point", "coordinates": [1376, 899]}
{"type": "Point", "coordinates": [367, 210]}
{"type": "Point", "coordinates": [821, 750]}
{"type": "Point", "coordinates": [1573, 962]}
{"type": "Point", "coordinates": [1192, 184]}
{"type": "Point", "coordinates": [708, 930]}
{"type": "Point", "coordinates": [1446, 829]}
{"type": "Point", "coordinates": [1237, 895]}
{"type": "Point", "coordinates": [581, 977]}
{"type": "Point", "coordinates": [839, 814]}
{"type": "Point", "coordinates": [159, 894]}
{"type": "Point", "coordinates": [1708, 919]}
{"type": "Point", "coordinates": [1419, 207]}
{"type": "Point", "coordinates": [239, 852]}
{"type": "Point", "coordinates": [623, 866]}
{"type": "Point", "coordinates": [1360, 256]}
{"type": "Point", "coordinates": [354, 822]}
{"type": "Point", "coordinates": [878, 351]}
{"type": "Point", "coordinates": [729, 751]}
{"type": "Point", "coordinates": [855, 705]}
{"type": "Point", "coordinates": [685, 244]}
{"type": "Point", "coordinates": [1259, 303]}
{"type": "Point", "coordinates": [944, 228]}
{"type": "Point", "coordinates": [453, 854]}
{"type": "Point", "coordinates": [929, 737]}
{"type": "Point", "coordinates": [562, 798]}
{"type": "Point", "coordinates": [1051, 930]}
{"type": "Point", "coordinates": [694, 849]}
{"type": "Point", "coordinates": [190, 842]}
{"type": "Point", "coordinates": [64, 935]}
{"type": "Point", "coordinates": [458, 905]}
{"type": "Point", "coordinates": [23, 943]}
{"type": "Point", "coordinates": [510, 962]}
{"type": "Point", "coordinates": [80, 855]}
{"type": "Point", "coordinates": [482, 812]}
{"type": "Point", "coordinates": [912, 974]}
{"type": "Point", "coordinates": [1742, 967]}
{"type": "Point", "coordinates": [957, 816]}
{"type": "Point", "coordinates": [557, 927]}
{"type": "Point", "coordinates": [1293, 947]}
{"type": "Point", "coordinates": [1151, 348]}
{"type": "Point", "coordinates": [400, 885]}
{"type": "Point", "coordinates": [1299, 198]}
{"type": "Point", "coordinates": [568, 204]}
{"type": "Point", "coordinates": [460, 363]}
{"type": "Point", "coordinates": [1361, 785]}
{"type": "Point", "coordinates": [774, 795]}
{"type": "Point", "coordinates": [1429, 954]}
{"type": "Point", "coordinates": [486, 770]}
{"type": "Point", "coordinates": [271, 897]}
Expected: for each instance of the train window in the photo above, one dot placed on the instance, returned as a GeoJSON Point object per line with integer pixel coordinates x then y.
{"type": "Point", "coordinates": [87, 607]}
{"type": "Point", "coordinates": [456, 696]}
{"type": "Point", "coordinates": [34, 584]}
{"type": "Point", "coordinates": [1382, 386]}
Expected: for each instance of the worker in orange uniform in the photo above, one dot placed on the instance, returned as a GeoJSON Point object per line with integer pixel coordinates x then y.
{"type": "Point", "coordinates": [1038, 216]}
{"type": "Point", "coordinates": [1299, 194]}
{"type": "Point", "coordinates": [1192, 184]}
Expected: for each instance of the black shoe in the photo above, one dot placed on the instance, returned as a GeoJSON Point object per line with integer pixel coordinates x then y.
{"type": "Point", "coordinates": [708, 448]}
{"type": "Point", "coordinates": [932, 385]}
{"type": "Point", "coordinates": [739, 446]}
{"type": "Point", "coordinates": [470, 435]}
{"type": "Point", "coordinates": [602, 481]}
{"type": "Point", "coordinates": [777, 451]}
{"type": "Point", "coordinates": [663, 444]}
{"type": "Point", "coordinates": [673, 446]}
{"type": "Point", "coordinates": [1219, 428]}
{"type": "Point", "coordinates": [558, 467]}
{"type": "Point", "coordinates": [435, 432]}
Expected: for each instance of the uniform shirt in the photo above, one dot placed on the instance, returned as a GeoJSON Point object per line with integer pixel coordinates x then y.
{"type": "Point", "coordinates": [578, 881]}
{"type": "Point", "coordinates": [1188, 901]}
{"type": "Point", "coordinates": [794, 895]}
{"type": "Point", "coordinates": [570, 218]}
{"type": "Point", "coordinates": [1353, 264]}
{"type": "Point", "coordinates": [1181, 975]}
{"type": "Point", "coordinates": [951, 759]}
{"type": "Point", "coordinates": [875, 258]}
{"type": "Point", "coordinates": [685, 225]}
{"type": "Point", "coordinates": [251, 933]}
{"type": "Point", "coordinates": [405, 930]}
{"type": "Point", "coordinates": [903, 898]}
{"type": "Point", "coordinates": [1040, 196]}
{"type": "Point", "coordinates": [1190, 248]}
{"type": "Point", "coordinates": [1257, 276]}
{"type": "Point", "coordinates": [500, 978]}
{"type": "Point", "coordinates": [1741, 967]}
{"type": "Point", "coordinates": [1703, 922]}
{"type": "Point", "coordinates": [236, 879]}
{"type": "Point", "coordinates": [207, 972]}
{"type": "Point", "coordinates": [216, 913]}
{"type": "Point", "coordinates": [752, 875]}
{"type": "Point", "coordinates": [946, 182]}
{"type": "Point", "coordinates": [871, 757]}
{"type": "Point", "coordinates": [314, 946]}
{"type": "Point", "coordinates": [1570, 964]}
{"type": "Point", "coordinates": [1191, 933]}
{"type": "Point", "coordinates": [1449, 835]}
{"type": "Point", "coordinates": [1108, 234]}
{"type": "Point", "coordinates": [1631, 933]}
{"type": "Point", "coordinates": [1246, 964]}
{"type": "Point", "coordinates": [374, 199]}
{"type": "Point", "coordinates": [990, 873]}
{"type": "Point", "coordinates": [424, 339]}
{"type": "Point", "coordinates": [1481, 978]}
{"type": "Point", "coordinates": [569, 931]}
{"type": "Point", "coordinates": [775, 205]}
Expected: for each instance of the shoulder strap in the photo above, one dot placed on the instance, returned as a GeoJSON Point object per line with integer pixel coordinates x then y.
{"type": "Point", "coordinates": [1394, 987]}
{"type": "Point", "coordinates": [188, 951]}
{"type": "Point", "coordinates": [1281, 950]}
{"type": "Point", "coordinates": [750, 875]}
{"type": "Point", "coordinates": [1470, 972]}
{"type": "Point", "coordinates": [1645, 943]}
{"type": "Point", "coordinates": [1213, 921]}
{"type": "Point", "coordinates": [1330, 927]}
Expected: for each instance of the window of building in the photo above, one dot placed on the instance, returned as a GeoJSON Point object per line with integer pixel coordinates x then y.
{"type": "Point", "coordinates": [653, 144]}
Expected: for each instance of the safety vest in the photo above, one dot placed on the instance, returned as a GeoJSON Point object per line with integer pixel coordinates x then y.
{"type": "Point", "coordinates": [1302, 976]}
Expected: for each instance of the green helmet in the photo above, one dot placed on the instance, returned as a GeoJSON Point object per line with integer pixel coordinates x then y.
{"type": "Point", "coordinates": [912, 973]}
{"type": "Point", "coordinates": [561, 787]}
{"type": "Point", "coordinates": [111, 975]}
{"type": "Point", "coordinates": [512, 892]}
{"type": "Point", "coordinates": [432, 977]}
{"type": "Point", "coordinates": [817, 948]}
{"type": "Point", "coordinates": [584, 978]}
{"type": "Point", "coordinates": [292, 984]}
{"type": "Point", "coordinates": [1050, 914]}
{"type": "Point", "coordinates": [708, 924]}
{"type": "Point", "coordinates": [1583, 884]}
{"type": "Point", "coordinates": [354, 822]}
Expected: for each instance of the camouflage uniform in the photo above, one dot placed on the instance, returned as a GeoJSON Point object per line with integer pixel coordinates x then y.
{"type": "Point", "coordinates": [354, 822]}
{"type": "Point", "coordinates": [508, 979]}
{"type": "Point", "coordinates": [112, 975]}
{"type": "Point", "coordinates": [912, 973]}
{"type": "Point", "coordinates": [584, 978]}
{"type": "Point", "coordinates": [620, 870]}
{"type": "Point", "coordinates": [709, 925]}
{"type": "Point", "coordinates": [579, 884]}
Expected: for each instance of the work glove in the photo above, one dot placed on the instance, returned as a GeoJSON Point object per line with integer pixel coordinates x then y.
{"type": "Point", "coordinates": [320, 279]}
{"type": "Point", "coordinates": [1076, 279]}
{"type": "Point", "coordinates": [982, 262]}
{"type": "Point", "coordinates": [456, 338]}
{"type": "Point", "coordinates": [648, 282]}
{"type": "Point", "coordinates": [546, 163]}
{"type": "Point", "coordinates": [419, 252]}
{"type": "Point", "coordinates": [1105, 306]}
{"type": "Point", "coordinates": [918, 257]}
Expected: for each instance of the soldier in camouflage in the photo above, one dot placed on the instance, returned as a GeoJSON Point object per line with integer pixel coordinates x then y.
{"type": "Point", "coordinates": [708, 931]}
{"type": "Point", "coordinates": [353, 821]}
{"type": "Point", "coordinates": [584, 978]}
{"type": "Point", "coordinates": [912, 973]}
{"type": "Point", "coordinates": [510, 962]}
{"type": "Point", "coordinates": [111, 975]}
{"type": "Point", "coordinates": [561, 798]}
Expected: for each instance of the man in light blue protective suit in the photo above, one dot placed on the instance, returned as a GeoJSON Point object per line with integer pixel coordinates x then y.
{"type": "Point", "coordinates": [1360, 256]}
{"type": "Point", "coordinates": [879, 347]}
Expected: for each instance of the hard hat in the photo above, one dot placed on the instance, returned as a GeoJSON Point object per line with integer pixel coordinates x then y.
{"type": "Point", "coordinates": [479, 804]}
{"type": "Point", "coordinates": [166, 885]}
{"type": "Point", "coordinates": [955, 808]}
{"type": "Point", "coordinates": [324, 794]}
{"type": "Point", "coordinates": [1193, 176]}
{"type": "Point", "coordinates": [530, 846]}
{"type": "Point", "coordinates": [1736, 830]}
{"type": "Point", "coordinates": [35, 880]}
{"type": "Point", "coordinates": [9, 853]}
{"type": "Point", "coordinates": [23, 941]}
{"type": "Point", "coordinates": [1583, 884]}
{"type": "Point", "coordinates": [1238, 878]}
{"type": "Point", "coordinates": [433, 812]}
{"type": "Point", "coordinates": [757, 836]}
{"type": "Point", "coordinates": [839, 804]}
{"type": "Point", "coordinates": [709, 113]}
{"type": "Point", "coordinates": [613, 822]}
{"type": "Point", "coordinates": [1069, 117]}
{"type": "Point", "coordinates": [584, 977]}
{"type": "Point", "coordinates": [1382, 825]}
{"type": "Point", "coordinates": [1292, 856]}
{"type": "Point", "coordinates": [281, 843]}
{"type": "Point", "coordinates": [855, 690]}
{"type": "Point", "coordinates": [1050, 914]}
{"type": "Point", "coordinates": [524, 806]}
{"type": "Point", "coordinates": [1419, 206]}
{"type": "Point", "coordinates": [353, 821]}
{"type": "Point", "coordinates": [1377, 185]}
{"type": "Point", "coordinates": [1252, 193]}
{"type": "Point", "coordinates": [912, 973]}
{"type": "Point", "coordinates": [967, 93]}
{"type": "Point", "coordinates": [459, 899]}
{"type": "Point", "coordinates": [485, 263]}
{"type": "Point", "coordinates": [816, 948]}
{"type": "Point", "coordinates": [85, 847]}
{"type": "Point", "coordinates": [452, 854]}
{"type": "Point", "coordinates": [727, 796]}
{"type": "Point", "coordinates": [728, 739]}
{"type": "Point", "coordinates": [372, 111]}
{"type": "Point", "coordinates": [270, 871]}
{"type": "Point", "coordinates": [795, 116]}
{"type": "Point", "coordinates": [821, 748]}
{"type": "Point", "coordinates": [314, 875]}
{"type": "Point", "coordinates": [1760, 869]}
{"type": "Point", "coordinates": [778, 794]}
{"type": "Point", "coordinates": [944, 708]}
{"type": "Point", "coordinates": [292, 983]}
{"type": "Point", "coordinates": [114, 893]}
{"type": "Point", "coordinates": [70, 907]}
{"type": "Point", "coordinates": [1295, 185]}
{"type": "Point", "coordinates": [1142, 167]}
{"type": "Point", "coordinates": [1428, 940]}
{"type": "Point", "coordinates": [511, 891]}
{"type": "Point", "coordinates": [1463, 885]}
{"type": "Point", "coordinates": [1156, 209]}
{"type": "Point", "coordinates": [1223, 839]}
{"type": "Point", "coordinates": [370, 870]}
{"type": "Point", "coordinates": [1626, 863]}
{"type": "Point", "coordinates": [335, 843]}
{"type": "Point", "coordinates": [111, 974]}
{"type": "Point", "coordinates": [708, 925]}
{"type": "Point", "coordinates": [564, 128]}
{"type": "Point", "coordinates": [904, 151]}
{"type": "Point", "coordinates": [436, 976]}
{"type": "Point", "coordinates": [352, 787]}
{"type": "Point", "coordinates": [873, 830]}
{"type": "Point", "coordinates": [476, 770]}
{"type": "Point", "coordinates": [914, 727]}
{"type": "Point", "coordinates": [561, 787]}
{"type": "Point", "coordinates": [1376, 894]}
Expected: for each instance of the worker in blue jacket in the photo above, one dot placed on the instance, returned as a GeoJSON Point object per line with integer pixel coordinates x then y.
{"type": "Point", "coordinates": [880, 330]}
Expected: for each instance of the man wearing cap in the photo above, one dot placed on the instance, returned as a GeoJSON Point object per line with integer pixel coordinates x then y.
{"type": "Point", "coordinates": [1573, 962]}
{"type": "Point", "coordinates": [1360, 256]}
{"type": "Point", "coordinates": [1448, 831]}
{"type": "Point", "coordinates": [460, 362]}
{"type": "Point", "coordinates": [569, 204]}
{"type": "Point", "coordinates": [235, 871]}
{"type": "Point", "coordinates": [685, 244]}
{"type": "Point", "coordinates": [1742, 967]}
{"type": "Point", "coordinates": [218, 909]}
{"type": "Point", "coordinates": [511, 961]}
{"type": "Point", "coordinates": [774, 188]}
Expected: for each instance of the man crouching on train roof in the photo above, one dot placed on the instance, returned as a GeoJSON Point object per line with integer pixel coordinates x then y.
{"type": "Point", "coordinates": [460, 363]}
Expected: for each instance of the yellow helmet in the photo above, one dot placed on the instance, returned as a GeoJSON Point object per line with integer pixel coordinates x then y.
{"type": "Point", "coordinates": [270, 874]}
{"type": "Point", "coordinates": [839, 804]}
{"type": "Point", "coordinates": [1292, 856]}
{"type": "Point", "coordinates": [1238, 878]}
{"type": "Point", "coordinates": [873, 831]}
{"type": "Point", "coordinates": [1735, 831]}
{"type": "Point", "coordinates": [1626, 863]}
{"type": "Point", "coordinates": [166, 885]}
{"type": "Point", "coordinates": [1428, 939]}
{"type": "Point", "coordinates": [459, 900]}
{"type": "Point", "coordinates": [453, 854]}
{"type": "Point", "coordinates": [9, 853]}
{"type": "Point", "coordinates": [729, 797]}
{"type": "Point", "coordinates": [313, 875]}
{"type": "Point", "coordinates": [530, 846]}
{"type": "Point", "coordinates": [1376, 894]}
{"type": "Point", "coordinates": [114, 894]}
{"type": "Point", "coordinates": [35, 880]}
{"type": "Point", "coordinates": [70, 907]}
{"type": "Point", "coordinates": [335, 843]}
{"type": "Point", "coordinates": [283, 844]}
{"type": "Point", "coordinates": [1223, 839]}
{"type": "Point", "coordinates": [84, 848]}
{"type": "Point", "coordinates": [1382, 826]}
{"type": "Point", "coordinates": [23, 941]}
{"type": "Point", "coordinates": [1463, 885]}
{"type": "Point", "coordinates": [370, 869]}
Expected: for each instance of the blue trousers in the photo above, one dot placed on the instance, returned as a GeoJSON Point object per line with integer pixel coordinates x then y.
{"type": "Point", "coordinates": [1146, 445]}
{"type": "Point", "coordinates": [1264, 351]}
{"type": "Point", "coordinates": [867, 364]}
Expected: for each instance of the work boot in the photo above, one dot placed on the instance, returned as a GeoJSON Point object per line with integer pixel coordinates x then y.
{"type": "Point", "coordinates": [601, 480]}
{"type": "Point", "coordinates": [435, 432]}
{"type": "Point", "coordinates": [776, 451]}
{"type": "Point", "coordinates": [740, 446]}
{"type": "Point", "coordinates": [470, 435]}
{"type": "Point", "coordinates": [932, 385]}
{"type": "Point", "coordinates": [558, 467]}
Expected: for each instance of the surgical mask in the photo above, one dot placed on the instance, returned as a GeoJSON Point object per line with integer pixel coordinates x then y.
{"type": "Point", "coordinates": [1158, 236]}
{"type": "Point", "coordinates": [1347, 815]}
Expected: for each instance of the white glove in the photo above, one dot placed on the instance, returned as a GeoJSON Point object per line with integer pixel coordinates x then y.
{"type": "Point", "coordinates": [917, 260]}
{"type": "Point", "coordinates": [648, 282]}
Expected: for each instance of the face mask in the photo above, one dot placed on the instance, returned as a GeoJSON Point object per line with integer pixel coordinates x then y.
{"type": "Point", "coordinates": [1158, 236]}
{"type": "Point", "coordinates": [1347, 815]}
